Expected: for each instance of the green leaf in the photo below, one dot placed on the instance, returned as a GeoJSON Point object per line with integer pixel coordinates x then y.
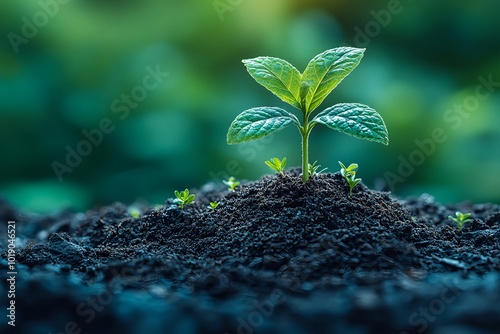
{"type": "Point", "coordinates": [466, 215]}
{"type": "Point", "coordinates": [355, 119]}
{"type": "Point", "coordinates": [276, 164]}
{"type": "Point", "coordinates": [278, 76]}
{"type": "Point", "coordinates": [324, 72]}
{"type": "Point", "coordinates": [352, 168]}
{"type": "Point", "coordinates": [258, 122]}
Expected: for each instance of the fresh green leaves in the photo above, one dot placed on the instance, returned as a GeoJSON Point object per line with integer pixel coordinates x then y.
{"type": "Point", "coordinates": [256, 123]}
{"type": "Point", "coordinates": [183, 198]}
{"type": "Point", "coordinates": [354, 119]}
{"type": "Point", "coordinates": [461, 219]}
{"type": "Point", "coordinates": [349, 174]}
{"type": "Point", "coordinates": [277, 164]}
{"type": "Point", "coordinates": [325, 71]}
{"type": "Point", "coordinates": [213, 205]}
{"type": "Point", "coordinates": [307, 91]}
{"type": "Point", "coordinates": [231, 183]}
{"type": "Point", "coordinates": [313, 169]}
{"type": "Point", "coordinates": [278, 76]}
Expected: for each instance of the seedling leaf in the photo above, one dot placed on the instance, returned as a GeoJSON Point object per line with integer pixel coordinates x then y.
{"type": "Point", "coordinates": [258, 122]}
{"type": "Point", "coordinates": [325, 71]}
{"type": "Point", "coordinates": [231, 183]}
{"type": "Point", "coordinates": [349, 174]}
{"type": "Point", "coordinates": [278, 76]}
{"type": "Point", "coordinates": [277, 165]}
{"type": "Point", "coordinates": [183, 198]}
{"type": "Point", "coordinates": [355, 119]}
{"type": "Point", "coordinates": [461, 219]}
{"type": "Point", "coordinates": [313, 168]}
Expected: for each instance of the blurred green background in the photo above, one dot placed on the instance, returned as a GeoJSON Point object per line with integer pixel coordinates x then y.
{"type": "Point", "coordinates": [67, 66]}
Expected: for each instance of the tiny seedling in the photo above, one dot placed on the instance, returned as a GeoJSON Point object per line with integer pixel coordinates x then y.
{"type": "Point", "coordinates": [461, 219]}
{"type": "Point", "coordinates": [213, 205]}
{"type": "Point", "coordinates": [349, 174]}
{"type": "Point", "coordinates": [134, 212]}
{"type": "Point", "coordinates": [313, 169]}
{"type": "Point", "coordinates": [183, 198]}
{"type": "Point", "coordinates": [277, 165]}
{"type": "Point", "coordinates": [306, 91]}
{"type": "Point", "coordinates": [231, 183]}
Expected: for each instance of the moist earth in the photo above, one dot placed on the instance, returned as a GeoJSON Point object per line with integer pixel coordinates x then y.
{"type": "Point", "coordinates": [276, 255]}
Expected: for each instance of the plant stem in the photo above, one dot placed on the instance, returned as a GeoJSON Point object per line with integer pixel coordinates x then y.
{"type": "Point", "coordinates": [304, 131]}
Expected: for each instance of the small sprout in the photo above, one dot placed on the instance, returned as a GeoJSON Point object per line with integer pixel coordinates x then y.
{"type": "Point", "coordinates": [313, 169]}
{"type": "Point", "coordinates": [231, 183]}
{"type": "Point", "coordinates": [134, 212]}
{"type": "Point", "coordinates": [214, 205]}
{"type": "Point", "coordinates": [183, 198]}
{"type": "Point", "coordinates": [351, 170]}
{"type": "Point", "coordinates": [349, 174]}
{"type": "Point", "coordinates": [277, 165]}
{"type": "Point", "coordinates": [461, 219]}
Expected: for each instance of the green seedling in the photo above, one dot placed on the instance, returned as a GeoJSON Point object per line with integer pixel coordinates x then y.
{"type": "Point", "coordinates": [277, 165]}
{"type": "Point", "coordinates": [134, 212]}
{"type": "Point", "coordinates": [213, 205]}
{"type": "Point", "coordinates": [231, 183]}
{"type": "Point", "coordinates": [461, 219]}
{"type": "Point", "coordinates": [313, 169]}
{"type": "Point", "coordinates": [306, 91]}
{"type": "Point", "coordinates": [183, 198]}
{"type": "Point", "coordinates": [349, 174]}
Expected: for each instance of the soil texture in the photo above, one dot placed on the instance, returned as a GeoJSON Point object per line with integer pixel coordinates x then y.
{"type": "Point", "coordinates": [276, 256]}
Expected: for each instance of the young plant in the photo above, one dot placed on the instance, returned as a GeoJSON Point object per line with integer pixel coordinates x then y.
{"type": "Point", "coordinates": [183, 198]}
{"type": "Point", "coordinates": [313, 169]}
{"type": "Point", "coordinates": [461, 219]}
{"type": "Point", "coordinates": [231, 183]}
{"type": "Point", "coordinates": [213, 205]}
{"type": "Point", "coordinates": [306, 91]}
{"type": "Point", "coordinates": [277, 165]}
{"type": "Point", "coordinates": [349, 174]}
{"type": "Point", "coordinates": [134, 212]}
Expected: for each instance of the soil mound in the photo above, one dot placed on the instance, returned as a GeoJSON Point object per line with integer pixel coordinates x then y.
{"type": "Point", "coordinates": [308, 245]}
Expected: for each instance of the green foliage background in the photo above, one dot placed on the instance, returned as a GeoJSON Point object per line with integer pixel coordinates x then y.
{"type": "Point", "coordinates": [421, 62]}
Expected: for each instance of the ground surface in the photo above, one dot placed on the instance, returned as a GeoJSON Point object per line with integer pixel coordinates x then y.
{"type": "Point", "coordinates": [276, 256]}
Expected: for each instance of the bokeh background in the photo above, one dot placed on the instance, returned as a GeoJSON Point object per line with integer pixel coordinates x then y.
{"type": "Point", "coordinates": [63, 63]}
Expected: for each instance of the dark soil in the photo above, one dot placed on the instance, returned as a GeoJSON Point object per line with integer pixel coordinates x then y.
{"type": "Point", "coordinates": [276, 256]}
